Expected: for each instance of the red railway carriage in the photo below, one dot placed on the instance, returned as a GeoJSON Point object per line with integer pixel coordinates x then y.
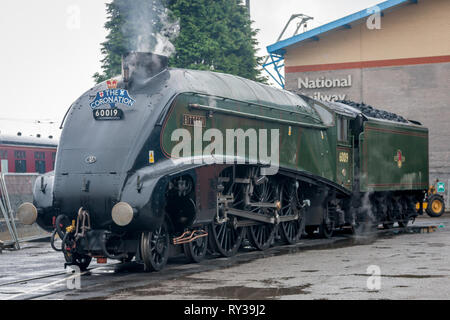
{"type": "Point", "coordinates": [23, 154]}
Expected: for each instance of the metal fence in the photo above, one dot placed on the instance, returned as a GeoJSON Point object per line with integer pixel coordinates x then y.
{"type": "Point", "coordinates": [15, 189]}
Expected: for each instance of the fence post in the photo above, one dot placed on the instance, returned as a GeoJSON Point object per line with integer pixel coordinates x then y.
{"type": "Point", "coordinates": [5, 208]}
{"type": "Point", "coordinates": [10, 211]}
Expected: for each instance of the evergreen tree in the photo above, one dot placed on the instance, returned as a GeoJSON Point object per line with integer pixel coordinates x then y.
{"type": "Point", "coordinates": [114, 46]}
{"type": "Point", "coordinates": [214, 35]}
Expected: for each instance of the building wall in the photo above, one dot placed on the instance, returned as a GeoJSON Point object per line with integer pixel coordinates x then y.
{"type": "Point", "coordinates": [403, 68]}
{"type": "Point", "coordinates": [412, 30]}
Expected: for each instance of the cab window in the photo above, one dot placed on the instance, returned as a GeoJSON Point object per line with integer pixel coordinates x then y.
{"type": "Point", "coordinates": [342, 129]}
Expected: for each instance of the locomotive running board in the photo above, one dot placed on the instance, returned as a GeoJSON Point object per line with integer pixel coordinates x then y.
{"type": "Point", "coordinates": [257, 217]}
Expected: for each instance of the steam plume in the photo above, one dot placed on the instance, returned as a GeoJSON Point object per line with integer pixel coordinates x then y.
{"type": "Point", "coordinates": [150, 26]}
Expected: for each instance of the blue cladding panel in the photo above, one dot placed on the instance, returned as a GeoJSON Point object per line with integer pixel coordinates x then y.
{"type": "Point", "coordinates": [314, 33]}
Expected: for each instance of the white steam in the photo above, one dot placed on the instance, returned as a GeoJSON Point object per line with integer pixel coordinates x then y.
{"type": "Point", "coordinates": [150, 26]}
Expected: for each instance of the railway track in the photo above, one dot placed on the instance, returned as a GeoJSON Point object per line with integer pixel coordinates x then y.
{"type": "Point", "coordinates": [35, 288]}
{"type": "Point", "coordinates": [18, 291]}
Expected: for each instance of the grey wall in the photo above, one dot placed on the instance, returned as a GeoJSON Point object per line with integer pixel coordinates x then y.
{"type": "Point", "coordinates": [417, 92]}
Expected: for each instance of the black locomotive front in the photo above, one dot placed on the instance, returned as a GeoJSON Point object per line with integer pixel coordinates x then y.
{"type": "Point", "coordinates": [106, 139]}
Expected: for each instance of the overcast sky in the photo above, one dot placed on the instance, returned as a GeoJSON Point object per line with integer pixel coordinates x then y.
{"type": "Point", "coordinates": [51, 48]}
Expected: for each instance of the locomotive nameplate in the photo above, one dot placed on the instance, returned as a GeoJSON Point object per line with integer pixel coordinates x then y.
{"type": "Point", "coordinates": [108, 114]}
{"type": "Point", "coordinates": [189, 120]}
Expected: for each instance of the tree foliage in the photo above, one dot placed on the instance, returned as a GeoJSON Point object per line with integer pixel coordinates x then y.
{"type": "Point", "coordinates": [214, 35]}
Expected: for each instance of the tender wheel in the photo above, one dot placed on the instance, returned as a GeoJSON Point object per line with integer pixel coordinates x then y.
{"type": "Point", "coordinates": [326, 230]}
{"type": "Point", "coordinates": [195, 251]}
{"type": "Point", "coordinates": [290, 231]}
{"type": "Point", "coordinates": [436, 206]}
{"type": "Point", "coordinates": [407, 211]}
{"type": "Point", "coordinates": [403, 223]}
{"type": "Point", "coordinates": [388, 225]}
{"type": "Point", "coordinates": [364, 227]}
{"type": "Point", "coordinates": [261, 236]}
{"type": "Point", "coordinates": [155, 248]}
{"type": "Point", "coordinates": [359, 229]}
{"type": "Point", "coordinates": [365, 221]}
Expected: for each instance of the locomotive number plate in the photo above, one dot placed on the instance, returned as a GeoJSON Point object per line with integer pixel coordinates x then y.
{"type": "Point", "coordinates": [108, 114]}
{"type": "Point", "coordinates": [190, 120]}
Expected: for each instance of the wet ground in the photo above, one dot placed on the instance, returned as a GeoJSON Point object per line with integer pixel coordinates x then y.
{"type": "Point", "coordinates": [390, 264]}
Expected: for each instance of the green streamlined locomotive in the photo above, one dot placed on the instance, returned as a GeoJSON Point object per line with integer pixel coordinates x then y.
{"type": "Point", "coordinates": [163, 160]}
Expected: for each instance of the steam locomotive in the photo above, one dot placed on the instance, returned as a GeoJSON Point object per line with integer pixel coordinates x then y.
{"type": "Point", "coordinates": [133, 177]}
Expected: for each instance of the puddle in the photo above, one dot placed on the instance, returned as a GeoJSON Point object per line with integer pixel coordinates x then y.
{"type": "Point", "coordinates": [287, 278]}
{"type": "Point", "coordinates": [438, 245]}
{"type": "Point", "coordinates": [251, 293]}
{"type": "Point", "coordinates": [225, 292]}
{"type": "Point", "coordinates": [415, 276]}
{"type": "Point", "coordinates": [148, 293]}
{"type": "Point", "coordinates": [401, 286]}
{"type": "Point", "coordinates": [205, 281]}
{"type": "Point", "coordinates": [408, 276]}
{"type": "Point", "coordinates": [270, 281]}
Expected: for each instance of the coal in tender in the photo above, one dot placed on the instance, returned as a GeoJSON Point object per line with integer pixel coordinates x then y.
{"type": "Point", "coordinates": [372, 112]}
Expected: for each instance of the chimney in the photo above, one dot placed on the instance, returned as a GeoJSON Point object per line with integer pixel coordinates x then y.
{"type": "Point", "coordinates": [140, 66]}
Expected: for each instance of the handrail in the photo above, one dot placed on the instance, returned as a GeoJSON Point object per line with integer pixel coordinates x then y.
{"type": "Point", "coordinates": [255, 116]}
{"type": "Point", "coordinates": [261, 105]}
